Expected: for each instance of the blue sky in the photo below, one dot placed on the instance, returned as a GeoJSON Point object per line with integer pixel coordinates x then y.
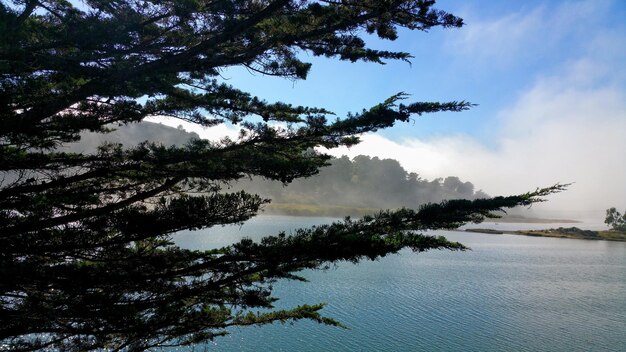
{"type": "Point", "coordinates": [505, 47]}
{"type": "Point", "coordinates": [550, 81]}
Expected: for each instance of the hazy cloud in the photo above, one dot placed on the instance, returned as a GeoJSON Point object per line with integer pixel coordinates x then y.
{"type": "Point", "coordinates": [566, 128]}
{"type": "Point", "coordinates": [526, 34]}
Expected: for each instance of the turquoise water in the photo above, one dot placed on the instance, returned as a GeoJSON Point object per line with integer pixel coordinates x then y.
{"type": "Point", "coordinates": [509, 293]}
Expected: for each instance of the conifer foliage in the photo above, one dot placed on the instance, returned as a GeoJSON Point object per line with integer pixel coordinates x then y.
{"type": "Point", "coordinates": [86, 257]}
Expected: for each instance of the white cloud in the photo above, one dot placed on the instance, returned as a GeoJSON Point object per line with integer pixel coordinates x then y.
{"type": "Point", "coordinates": [498, 39]}
{"type": "Point", "coordinates": [526, 35]}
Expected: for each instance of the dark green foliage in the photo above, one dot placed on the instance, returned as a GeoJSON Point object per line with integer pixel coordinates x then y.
{"type": "Point", "coordinates": [86, 258]}
{"type": "Point", "coordinates": [615, 220]}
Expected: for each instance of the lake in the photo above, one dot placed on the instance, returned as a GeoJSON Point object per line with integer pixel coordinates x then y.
{"type": "Point", "coordinates": [509, 293]}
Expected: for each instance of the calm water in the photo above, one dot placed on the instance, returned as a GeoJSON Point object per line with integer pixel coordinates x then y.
{"type": "Point", "coordinates": [510, 293]}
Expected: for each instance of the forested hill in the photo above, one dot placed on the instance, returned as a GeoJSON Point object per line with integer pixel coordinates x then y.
{"type": "Point", "coordinates": [363, 182]}
{"type": "Point", "coordinates": [338, 189]}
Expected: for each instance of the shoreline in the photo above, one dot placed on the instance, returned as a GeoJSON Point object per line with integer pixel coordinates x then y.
{"type": "Point", "coordinates": [337, 211]}
{"type": "Point", "coordinates": [569, 233]}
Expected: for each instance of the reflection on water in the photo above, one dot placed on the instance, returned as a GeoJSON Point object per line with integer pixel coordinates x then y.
{"type": "Point", "coordinates": [509, 293]}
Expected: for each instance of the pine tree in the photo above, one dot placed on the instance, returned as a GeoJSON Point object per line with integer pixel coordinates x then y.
{"type": "Point", "coordinates": [86, 257]}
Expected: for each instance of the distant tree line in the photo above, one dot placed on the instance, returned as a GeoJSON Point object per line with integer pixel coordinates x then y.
{"type": "Point", "coordinates": [364, 182]}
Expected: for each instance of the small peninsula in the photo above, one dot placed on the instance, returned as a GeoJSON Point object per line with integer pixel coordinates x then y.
{"type": "Point", "coordinates": [562, 232]}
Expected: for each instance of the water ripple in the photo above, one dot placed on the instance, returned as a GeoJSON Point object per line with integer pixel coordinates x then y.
{"type": "Point", "coordinates": [510, 293]}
